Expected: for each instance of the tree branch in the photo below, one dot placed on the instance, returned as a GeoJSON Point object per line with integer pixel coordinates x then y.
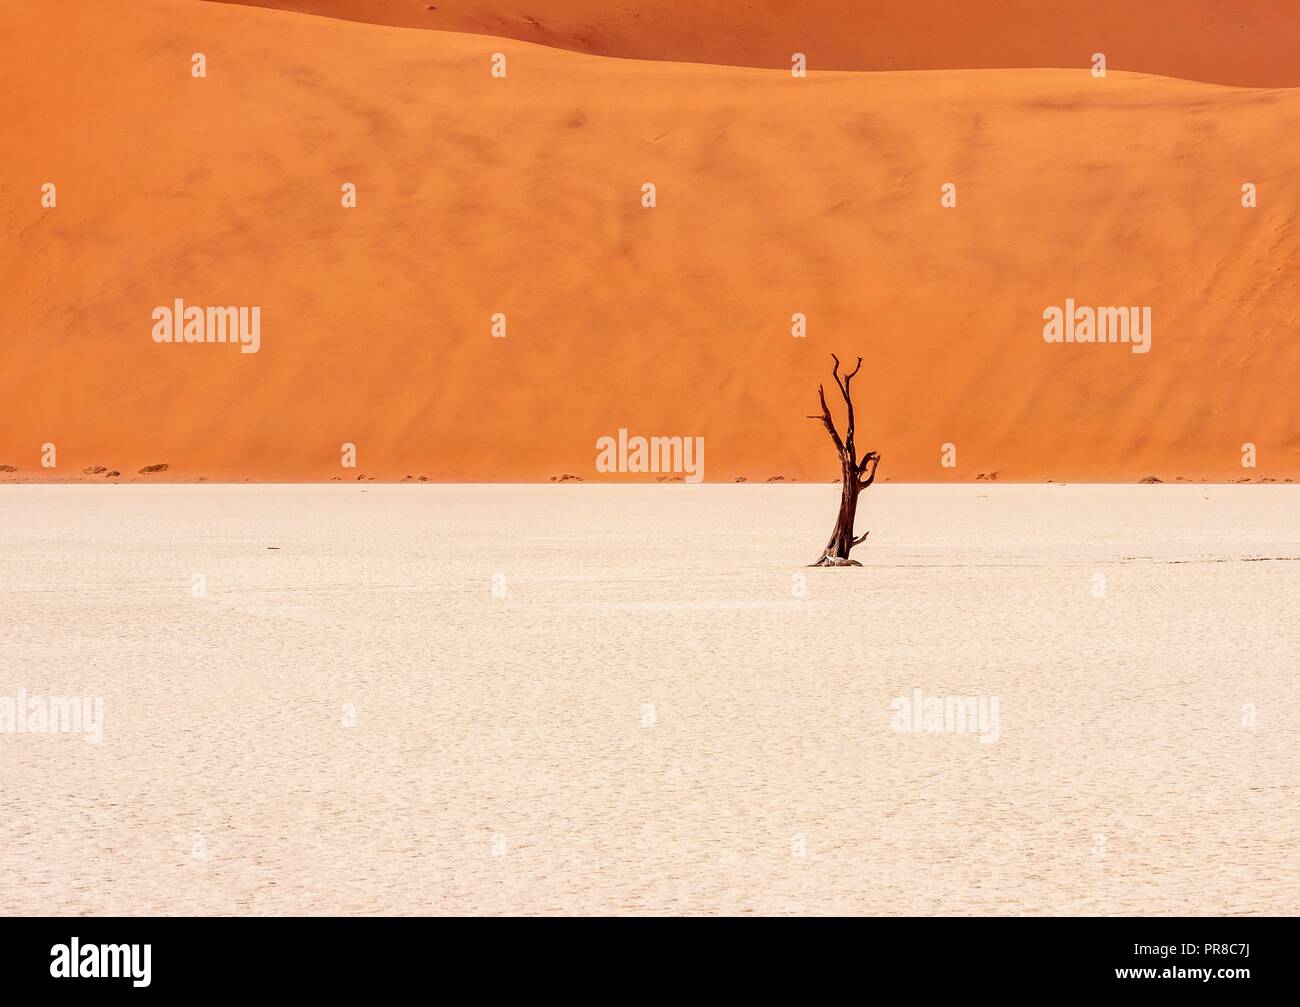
{"type": "Point", "coordinates": [835, 373]}
{"type": "Point", "coordinates": [848, 402]}
{"type": "Point", "coordinates": [825, 417]}
{"type": "Point", "coordinates": [872, 458]}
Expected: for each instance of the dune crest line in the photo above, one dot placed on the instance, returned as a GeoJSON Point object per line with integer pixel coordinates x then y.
{"type": "Point", "coordinates": [1251, 45]}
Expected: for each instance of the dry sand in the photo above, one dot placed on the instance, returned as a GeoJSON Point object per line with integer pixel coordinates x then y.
{"type": "Point", "coordinates": [1122, 780]}
{"type": "Point", "coordinates": [522, 195]}
{"type": "Point", "coordinates": [1251, 42]}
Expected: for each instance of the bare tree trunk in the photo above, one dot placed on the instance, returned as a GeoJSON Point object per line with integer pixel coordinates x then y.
{"type": "Point", "coordinates": [841, 540]}
{"type": "Point", "coordinates": [855, 475]}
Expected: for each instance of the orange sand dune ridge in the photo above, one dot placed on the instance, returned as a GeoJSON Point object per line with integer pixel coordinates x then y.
{"type": "Point", "coordinates": [523, 196]}
{"type": "Point", "coordinates": [1245, 42]}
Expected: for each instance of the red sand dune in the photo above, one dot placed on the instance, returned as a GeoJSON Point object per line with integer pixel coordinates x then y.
{"type": "Point", "coordinates": [1247, 42]}
{"type": "Point", "coordinates": [522, 195]}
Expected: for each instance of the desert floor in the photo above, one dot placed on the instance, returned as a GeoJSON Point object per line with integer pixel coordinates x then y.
{"type": "Point", "coordinates": [646, 716]}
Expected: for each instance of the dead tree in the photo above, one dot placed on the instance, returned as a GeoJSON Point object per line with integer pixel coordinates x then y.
{"type": "Point", "coordinates": [855, 475]}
